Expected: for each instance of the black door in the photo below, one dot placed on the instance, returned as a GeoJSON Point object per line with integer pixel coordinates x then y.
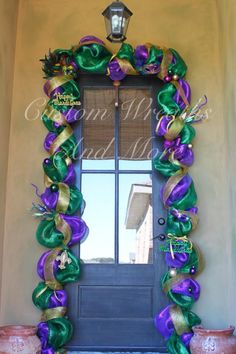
{"type": "Point", "coordinates": [113, 306]}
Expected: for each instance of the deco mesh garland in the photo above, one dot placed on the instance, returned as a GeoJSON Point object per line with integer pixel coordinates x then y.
{"type": "Point", "coordinates": [61, 228]}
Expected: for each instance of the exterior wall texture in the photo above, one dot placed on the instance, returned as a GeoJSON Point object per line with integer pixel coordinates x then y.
{"type": "Point", "coordinates": [8, 22]}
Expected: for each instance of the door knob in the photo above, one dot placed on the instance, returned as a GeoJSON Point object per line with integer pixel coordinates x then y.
{"type": "Point", "coordinates": [161, 221]}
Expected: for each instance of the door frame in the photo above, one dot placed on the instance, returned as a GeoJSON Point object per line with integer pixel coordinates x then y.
{"type": "Point", "coordinates": [93, 81]}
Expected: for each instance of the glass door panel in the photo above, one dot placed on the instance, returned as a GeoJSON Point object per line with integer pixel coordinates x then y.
{"type": "Point", "coordinates": [98, 192]}
{"type": "Point", "coordinates": [135, 219]}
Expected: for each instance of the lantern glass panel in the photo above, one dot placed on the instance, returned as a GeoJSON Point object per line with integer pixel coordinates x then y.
{"type": "Point", "coordinates": [125, 24]}
{"type": "Point", "coordinates": [108, 25]}
{"type": "Point", "coordinates": [117, 22]}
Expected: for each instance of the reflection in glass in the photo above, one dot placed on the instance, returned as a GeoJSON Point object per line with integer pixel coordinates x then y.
{"type": "Point", "coordinates": [98, 192]}
{"type": "Point", "coordinates": [135, 219]}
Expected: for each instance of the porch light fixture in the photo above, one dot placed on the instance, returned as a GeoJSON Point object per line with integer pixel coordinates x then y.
{"type": "Point", "coordinates": [117, 17]}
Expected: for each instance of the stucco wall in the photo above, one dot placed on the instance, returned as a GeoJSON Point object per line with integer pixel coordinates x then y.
{"type": "Point", "coordinates": [192, 28]}
{"type": "Point", "coordinates": [227, 25]}
{"type": "Point", "coordinates": [8, 20]}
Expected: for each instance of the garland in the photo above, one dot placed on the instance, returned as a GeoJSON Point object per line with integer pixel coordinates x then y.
{"type": "Point", "coordinates": [61, 228]}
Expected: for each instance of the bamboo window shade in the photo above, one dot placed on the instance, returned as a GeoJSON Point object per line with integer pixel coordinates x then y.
{"type": "Point", "coordinates": [134, 124]}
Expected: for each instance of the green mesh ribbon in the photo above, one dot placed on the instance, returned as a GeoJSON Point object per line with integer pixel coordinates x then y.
{"type": "Point", "coordinates": [76, 200]}
{"type": "Point", "coordinates": [57, 169]}
{"type": "Point", "coordinates": [41, 296]}
{"type": "Point", "coordinates": [177, 227]}
{"type": "Point", "coordinates": [126, 51]}
{"type": "Point", "coordinates": [191, 318]}
{"type": "Point", "coordinates": [193, 262]}
{"type": "Point", "coordinates": [176, 346]}
{"type": "Point", "coordinates": [60, 332]}
{"type": "Point", "coordinates": [93, 58]}
{"type": "Point", "coordinates": [165, 167]}
{"type": "Point", "coordinates": [47, 234]}
{"type": "Point", "coordinates": [179, 67]}
{"type": "Point", "coordinates": [154, 53]}
{"type": "Point", "coordinates": [49, 123]}
{"type": "Point", "coordinates": [187, 134]}
{"type": "Point", "coordinates": [166, 101]}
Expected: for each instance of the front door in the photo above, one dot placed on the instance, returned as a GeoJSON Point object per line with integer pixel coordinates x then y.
{"type": "Point", "coordinates": [113, 306]}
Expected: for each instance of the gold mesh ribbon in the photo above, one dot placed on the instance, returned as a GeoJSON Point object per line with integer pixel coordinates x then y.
{"type": "Point", "coordinates": [178, 320]}
{"type": "Point", "coordinates": [171, 183]}
{"type": "Point", "coordinates": [47, 181]}
{"type": "Point", "coordinates": [174, 128]}
{"type": "Point", "coordinates": [193, 216]}
{"type": "Point", "coordinates": [166, 60]}
{"type": "Point", "coordinates": [63, 227]}
{"type": "Point", "coordinates": [56, 82]}
{"type": "Point", "coordinates": [126, 66]}
{"type": "Point", "coordinates": [201, 262]}
{"type": "Point", "coordinates": [174, 281]}
{"type": "Point", "coordinates": [54, 115]}
{"type": "Point", "coordinates": [63, 198]}
{"type": "Point", "coordinates": [50, 279]}
{"type": "Point", "coordinates": [56, 312]}
{"type": "Point", "coordinates": [60, 139]}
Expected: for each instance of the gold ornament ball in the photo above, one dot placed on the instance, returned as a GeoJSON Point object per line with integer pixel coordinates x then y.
{"type": "Point", "coordinates": [190, 146]}
{"type": "Point", "coordinates": [175, 77]}
{"type": "Point", "coordinates": [173, 272]}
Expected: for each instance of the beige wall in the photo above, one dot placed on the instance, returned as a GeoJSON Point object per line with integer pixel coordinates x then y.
{"type": "Point", "coordinates": [227, 24]}
{"type": "Point", "coordinates": [192, 28]}
{"type": "Point", "coordinates": [8, 20]}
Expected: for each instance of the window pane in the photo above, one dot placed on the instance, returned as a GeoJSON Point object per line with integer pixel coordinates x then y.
{"type": "Point", "coordinates": [135, 165]}
{"type": "Point", "coordinates": [135, 219]}
{"type": "Point", "coordinates": [98, 164]}
{"type": "Point", "coordinates": [135, 126]}
{"type": "Point", "coordinates": [98, 191]}
{"type": "Point", "coordinates": [98, 128]}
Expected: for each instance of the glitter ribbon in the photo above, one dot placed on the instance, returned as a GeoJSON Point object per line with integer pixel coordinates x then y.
{"type": "Point", "coordinates": [171, 183]}
{"type": "Point", "coordinates": [56, 82]}
{"type": "Point", "coordinates": [50, 279]}
{"type": "Point", "coordinates": [166, 60]}
{"type": "Point", "coordinates": [63, 198]}
{"type": "Point", "coordinates": [179, 321]}
{"type": "Point", "coordinates": [60, 139]}
{"type": "Point", "coordinates": [56, 312]}
{"type": "Point", "coordinates": [64, 228]}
